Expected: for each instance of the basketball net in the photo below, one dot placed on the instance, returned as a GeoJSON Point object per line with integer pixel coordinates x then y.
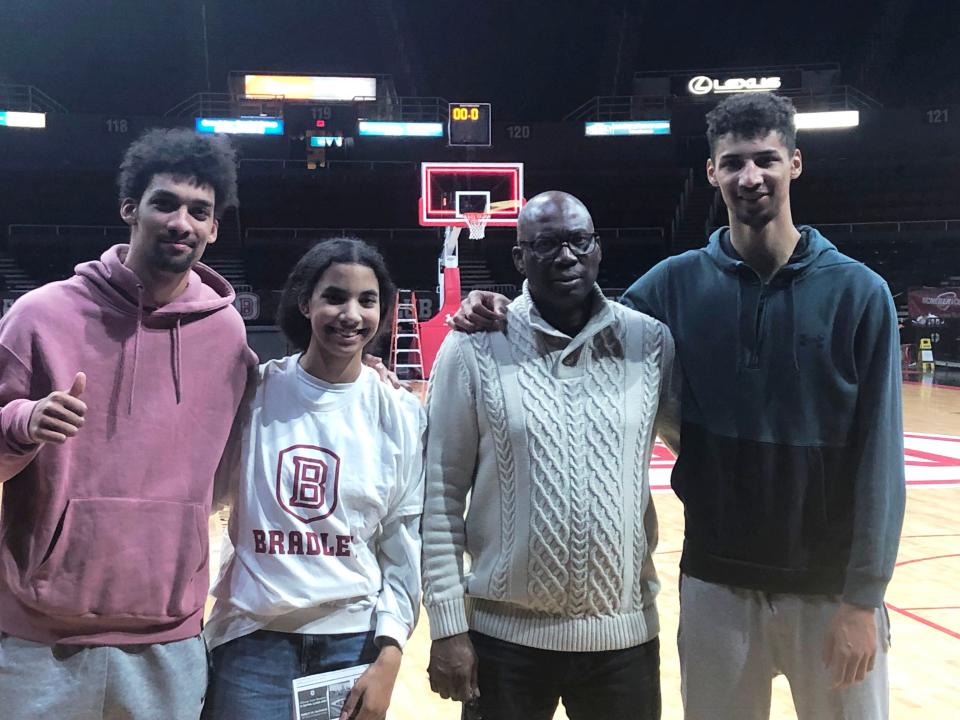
{"type": "Point", "coordinates": [477, 223]}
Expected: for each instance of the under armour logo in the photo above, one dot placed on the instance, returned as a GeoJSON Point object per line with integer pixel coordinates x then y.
{"type": "Point", "coordinates": [817, 340]}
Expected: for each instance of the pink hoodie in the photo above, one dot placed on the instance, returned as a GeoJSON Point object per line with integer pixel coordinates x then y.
{"type": "Point", "coordinates": [103, 540]}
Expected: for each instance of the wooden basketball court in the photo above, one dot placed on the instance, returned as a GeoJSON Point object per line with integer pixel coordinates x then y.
{"type": "Point", "coordinates": [923, 599]}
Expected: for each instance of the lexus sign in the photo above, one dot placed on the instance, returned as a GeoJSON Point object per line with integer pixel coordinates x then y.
{"type": "Point", "coordinates": [704, 85]}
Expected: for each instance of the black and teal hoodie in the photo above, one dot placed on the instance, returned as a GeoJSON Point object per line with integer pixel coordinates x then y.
{"type": "Point", "coordinates": [791, 463]}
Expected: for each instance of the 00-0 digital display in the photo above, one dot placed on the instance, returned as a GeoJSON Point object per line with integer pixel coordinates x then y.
{"type": "Point", "coordinates": [465, 113]}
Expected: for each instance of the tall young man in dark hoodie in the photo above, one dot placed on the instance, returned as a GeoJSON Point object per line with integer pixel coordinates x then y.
{"type": "Point", "coordinates": [118, 387]}
{"type": "Point", "coordinates": [791, 460]}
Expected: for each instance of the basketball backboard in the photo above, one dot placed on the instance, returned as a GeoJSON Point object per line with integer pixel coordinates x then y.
{"type": "Point", "coordinates": [449, 190]}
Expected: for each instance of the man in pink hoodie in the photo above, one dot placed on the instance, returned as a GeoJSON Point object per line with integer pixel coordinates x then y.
{"type": "Point", "coordinates": [118, 387]}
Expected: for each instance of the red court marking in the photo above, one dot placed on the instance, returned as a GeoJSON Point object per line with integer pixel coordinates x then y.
{"type": "Point", "coordinates": [932, 557]}
{"type": "Point", "coordinates": [936, 385]}
{"type": "Point", "coordinates": [922, 458]}
{"type": "Point", "coordinates": [930, 458]}
{"type": "Point", "coordinates": [928, 436]}
{"type": "Point", "coordinates": [945, 607]}
{"type": "Point", "coordinates": [924, 621]}
{"type": "Point", "coordinates": [906, 611]}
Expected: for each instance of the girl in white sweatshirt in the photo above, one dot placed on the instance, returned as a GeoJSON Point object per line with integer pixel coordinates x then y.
{"type": "Point", "coordinates": [324, 472]}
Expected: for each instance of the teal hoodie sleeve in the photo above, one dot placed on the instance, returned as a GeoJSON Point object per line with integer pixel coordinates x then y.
{"type": "Point", "coordinates": [879, 483]}
{"type": "Point", "coordinates": [648, 293]}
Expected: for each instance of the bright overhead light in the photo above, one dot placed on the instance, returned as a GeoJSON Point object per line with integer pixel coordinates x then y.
{"type": "Point", "coordinates": [311, 87]}
{"type": "Point", "coordinates": [322, 141]}
{"type": "Point", "coordinates": [827, 120]}
{"type": "Point", "coordinates": [627, 127]}
{"type": "Point", "coordinates": [11, 118]}
{"type": "Point", "coordinates": [240, 126]}
{"type": "Point", "coordinates": [400, 129]}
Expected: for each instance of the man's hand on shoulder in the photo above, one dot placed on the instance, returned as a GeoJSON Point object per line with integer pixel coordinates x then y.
{"type": "Point", "coordinates": [453, 668]}
{"type": "Point", "coordinates": [850, 646]}
{"type": "Point", "coordinates": [481, 311]}
{"type": "Point", "coordinates": [386, 374]}
{"type": "Point", "coordinates": [59, 415]}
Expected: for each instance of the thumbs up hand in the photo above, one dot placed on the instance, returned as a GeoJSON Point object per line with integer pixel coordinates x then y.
{"type": "Point", "coordinates": [60, 414]}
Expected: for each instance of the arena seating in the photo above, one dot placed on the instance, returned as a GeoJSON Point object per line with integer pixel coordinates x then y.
{"type": "Point", "coordinates": [845, 191]}
{"type": "Point", "coordinates": [901, 217]}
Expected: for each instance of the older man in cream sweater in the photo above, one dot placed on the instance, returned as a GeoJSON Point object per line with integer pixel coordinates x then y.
{"type": "Point", "coordinates": [545, 588]}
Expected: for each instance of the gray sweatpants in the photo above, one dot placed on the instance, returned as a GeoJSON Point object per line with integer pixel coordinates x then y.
{"type": "Point", "coordinates": [733, 642]}
{"type": "Point", "coordinates": [164, 681]}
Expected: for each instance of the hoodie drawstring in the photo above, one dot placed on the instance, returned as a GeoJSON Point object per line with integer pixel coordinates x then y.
{"type": "Point", "coordinates": [136, 348]}
{"type": "Point", "coordinates": [739, 323]}
{"type": "Point", "coordinates": [176, 358]}
{"type": "Point", "coordinates": [175, 342]}
{"type": "Point", "coordinates": [792, 312]}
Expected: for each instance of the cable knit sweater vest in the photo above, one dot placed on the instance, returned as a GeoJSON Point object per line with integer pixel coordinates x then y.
{"type": "Point", "coordinates": [553, 436]}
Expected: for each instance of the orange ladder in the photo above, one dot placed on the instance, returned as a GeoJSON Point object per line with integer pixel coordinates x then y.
{"type": "Point", "coordinates": [406, 358]}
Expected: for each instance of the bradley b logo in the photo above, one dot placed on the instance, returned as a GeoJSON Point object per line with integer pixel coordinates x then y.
{"type": "Point", "coordinates": [308, 479]}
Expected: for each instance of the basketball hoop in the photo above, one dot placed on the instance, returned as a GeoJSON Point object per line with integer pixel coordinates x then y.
{"type": "Point", "coordinates": [477, 222]}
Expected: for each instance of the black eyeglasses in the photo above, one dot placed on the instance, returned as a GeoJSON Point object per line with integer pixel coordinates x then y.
{"type": "Point", "coordinates": [547, 247]}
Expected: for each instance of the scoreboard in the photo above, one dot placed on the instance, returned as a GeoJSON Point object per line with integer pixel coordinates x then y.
{"type": "Point", "coordinates": [468, 124]}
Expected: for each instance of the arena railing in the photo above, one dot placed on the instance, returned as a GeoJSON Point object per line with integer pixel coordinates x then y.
{"type": "Point", "coordinates": [618, 107]}
{"type": "Point", "coordinates": [631, 233]}
{"type": "Point", "coordinates": [897, 226]}
{"type": "Point", "coordinates": [654, 235]}
{"type": "Point", "coordinates": [27, 98]}
{"type": "Point", "coordinates": [121, 232]}
{"type": "Point", "coordinates": [306, 233]}
{"type": "Point", "coordinates": [205, 104]}
{"type": "Point", "coordinates": [508, 289]}
{"type": "Point", "coordinates": [840, 97]}
{"type": "Point", "coordinates": [892, 226]}
{"type": "Point", "coordinates": [409, 109]}
{"type": "Point", "coordinates": [270, 165]}
{"type": "Point", "coordinates": [741, 71]}
{"type": "Point", "coordinates": [406, 109]}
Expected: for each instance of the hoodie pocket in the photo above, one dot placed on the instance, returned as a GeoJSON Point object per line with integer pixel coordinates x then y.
{"type": "Point", "coordinates": [122, 557]}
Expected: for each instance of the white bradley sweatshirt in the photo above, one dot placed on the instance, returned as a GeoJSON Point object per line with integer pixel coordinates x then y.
{"type": "Point", "coordinates": [326, 484]}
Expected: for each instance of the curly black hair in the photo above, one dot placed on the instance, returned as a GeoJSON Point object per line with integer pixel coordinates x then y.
{"type": "Point", "coordinates": [750, 116]}
{"type": "Point", "coordinates": [206, 159]}
{"type": "Point", "coordinates": [306, 274]}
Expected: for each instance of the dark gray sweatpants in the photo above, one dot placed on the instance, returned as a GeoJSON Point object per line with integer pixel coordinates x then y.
{"type": "Point", "coordinates": [163, 681]}
{"type": "Point", "coordinates": [733, 642]}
